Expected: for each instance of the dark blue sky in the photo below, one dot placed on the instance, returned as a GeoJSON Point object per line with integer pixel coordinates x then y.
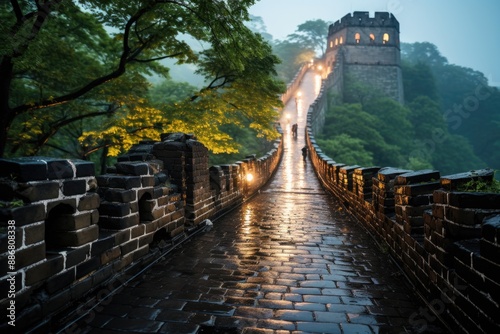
{"type": "Point", "coordinates": [465, 31]}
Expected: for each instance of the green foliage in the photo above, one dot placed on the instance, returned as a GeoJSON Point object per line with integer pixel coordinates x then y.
{"type": "Point", "coordinates": [292, 55]}
{"type": "Point", "coordinates": [468, 106]}
{"type": "Point", "coordinates": [12, 204]}
{"type": "Point", "coordinates": [346, 149]}
{"type": "Point", "coordinates": [311, 35]}
{"type": "Point", "coordinates": [78, 83]}
{"type": "Point", "coordinates": [480, 185]}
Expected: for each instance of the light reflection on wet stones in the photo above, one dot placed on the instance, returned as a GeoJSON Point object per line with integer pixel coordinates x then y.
{"type": "Point", "coordinates": [288, 260]}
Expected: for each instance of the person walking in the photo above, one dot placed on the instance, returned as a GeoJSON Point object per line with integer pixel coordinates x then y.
{"type": "Point", "coordinates": [304, 152]}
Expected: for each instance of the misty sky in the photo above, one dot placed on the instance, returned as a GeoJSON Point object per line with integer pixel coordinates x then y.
{"type": "Point", "coordinates": [465, 31]}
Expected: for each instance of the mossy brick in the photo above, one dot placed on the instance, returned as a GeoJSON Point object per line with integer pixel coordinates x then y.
{"type": "Point", "coordinates": [452, 182]}
{"type": "Point", "coordinates": [119, 223]}
{"type": "Point", "coordinates": [113, 209]}
{"type": "Point", "coordinates": [71, 222]}
{"type": "Point", "coordinates": [33, 233]}
{"type": "Point", "coordinates": [60, 281]}
{"type": "Point", "coordinates": [44, 270]}
{"type": "Point", "coordinates": [74, 187]}
{"type": "Point", "coordinates": [73, 238]}
{"type": "Point", "coordinates": [89, 202]}
{"type": "Point", "coordinates": [75, 256]}
{"type": "Point", "coordinates": [23, 215]}
{"type": "Point", "coordinates": [24, 169]}
{"type": "Point", "coordinates": [119, 181]}
{"type": "Point", "coordinates": [30, 255]}
{"type": "Point", "coordinates": [85, 268]}
{"type": "Point", "coordinates": [118, 195]}
{"type": "Point", "coordinates": [84, 168]}
{"type": "Point", "coordinates": [102, 245]}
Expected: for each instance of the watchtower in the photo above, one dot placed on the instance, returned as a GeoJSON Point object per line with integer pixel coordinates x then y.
{"type": "Point", "coordinates": [368, 49]}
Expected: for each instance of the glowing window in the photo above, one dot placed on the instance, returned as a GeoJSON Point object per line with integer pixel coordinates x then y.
{"type": "Point", "coordinates": [341, 40]}
{"type": "Point", "coordinates": [372, 37]}
{"type": "Point", "coordinates": [331, 44]}
{"type": "Point", "coordinates": [336, 41]}
{"type": "Point", "coordinates": [357, 37]}
{"type": "Point", "coordinates": [385, 39]}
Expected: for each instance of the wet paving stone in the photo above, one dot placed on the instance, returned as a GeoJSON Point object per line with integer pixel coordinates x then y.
{"type": "Point", "coordinates": [289, 261]}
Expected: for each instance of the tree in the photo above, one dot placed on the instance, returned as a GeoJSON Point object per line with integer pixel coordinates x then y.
{"type": "Point", "coordinates": [312, 35]}
{"type": "Point", "coordinates": [43, 67]}
{"type": "Point", "coordinates": [293, 55]}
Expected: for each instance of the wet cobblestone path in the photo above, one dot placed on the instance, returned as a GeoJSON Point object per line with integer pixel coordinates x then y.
{"type": "Point", "coordinates": [287, 261]}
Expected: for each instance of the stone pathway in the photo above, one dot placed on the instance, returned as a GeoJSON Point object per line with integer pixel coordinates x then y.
{"type": "Point", "coordinates": [287, 261]}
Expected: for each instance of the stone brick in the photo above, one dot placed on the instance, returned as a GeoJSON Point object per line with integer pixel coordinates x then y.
{"type": "Point", "coordinates": [71, 222]}
{"type": "Point", "coordinates": [148, 181]}
{"type": "Point", "coordinates": [85, 268]}
{"type": "Point", "coordinates": [24, 169]}
{"type": "Point", "coordinates": [34, 233]}
{"type": "Point", "coordinates": [89, 202]}
{"type": "Point", "coordinates": [73, 238]}
{"type": "Point", "coordinates": [30, 255]}
{"type": "Point", "coordinates": [74, 187]}
{"type": "Point", "coordinates": [59, 169]}
{"type": "Point", "coordinates": [119, 181]}
{"type": "Point", "coordinates": [474, 200]}
{"type": "Point", "coordinates": [60, 281]}
{"type": "Point", "coordinates": [44, 270]}
{"type": "Point", "coordinates": [77, 255]}
{"type": "Point", "coordinates": [491, 229]}
{"type": "Point", "coordinates": [118, 195]}
{"type": "Point", "coordinates": [490, 251]}
{"type": "Point", "coordinates": [84, 168]}
{"type": "Point", "coordinates": [452, 182]}
{"type": "Point", "coordinates": [24, 215]}
{"type": "Point", "coordinates": [102, 245]}
{"type": "Point", "coordinates": [136, 168]}
{"type": "Point", "coordinates": [119, 223]}
{"type": "Point", "coordinates": [129, 246]}
{"type": "Point", "coordinates": [35, 191]}
{"type": "Point", "coordinates": [110, 255]}
{"type": "Point", "coordinates": [114, 209]}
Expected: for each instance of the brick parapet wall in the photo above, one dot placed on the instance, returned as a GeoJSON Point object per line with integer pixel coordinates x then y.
{"type": "Point", "coordinates": [447, 242]}
{"type": "Point", "coordinates": [73, 232]}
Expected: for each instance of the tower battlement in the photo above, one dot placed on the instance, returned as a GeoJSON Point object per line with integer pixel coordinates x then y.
{"type": "Point", "coordinates": [363, 19]}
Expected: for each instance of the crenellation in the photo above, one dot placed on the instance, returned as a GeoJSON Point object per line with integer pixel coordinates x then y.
{"type": "Point", "coordinates": [446, 241]}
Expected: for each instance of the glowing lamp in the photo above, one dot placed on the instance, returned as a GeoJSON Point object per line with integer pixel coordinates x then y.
{"type": "Point", "coordinates": [249, 177]}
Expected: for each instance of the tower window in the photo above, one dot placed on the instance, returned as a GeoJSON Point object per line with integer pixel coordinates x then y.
{"type": "Point", "coordinates": [331, 44]}
{"type": "Point", "coordinates": [357, 37]}
{"type": "Point", "coordinates": [372, 38]}
{"type": "Point", "coordinates": [385, 39]}
{"type": "Point", "coordinates": [336, 41]}
{"type": "Point", "coordinates": [341, 40]}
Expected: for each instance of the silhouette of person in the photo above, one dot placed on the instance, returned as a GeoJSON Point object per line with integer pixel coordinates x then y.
{"type": "Point", "coordinates": [294, 130]}
{"type": "Point", "coordinates": [304, 152]}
